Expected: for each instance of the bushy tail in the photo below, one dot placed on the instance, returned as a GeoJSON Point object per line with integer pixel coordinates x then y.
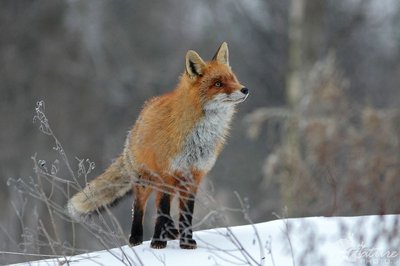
{"type": "Point", "coordinates": [104, 190]}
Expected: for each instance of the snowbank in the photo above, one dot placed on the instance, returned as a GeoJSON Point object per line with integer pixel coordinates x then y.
{"type": "Point", "coordinates": [303, 241]}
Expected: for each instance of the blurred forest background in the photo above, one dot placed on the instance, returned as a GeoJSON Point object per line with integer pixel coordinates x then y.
{"type": "Point", "coordinates": [319, 134]}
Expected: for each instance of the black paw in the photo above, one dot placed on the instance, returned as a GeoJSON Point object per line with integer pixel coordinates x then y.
{"type": "Point", "coordinates": [188, 243]}
{"type": "Point", "coordinates": [158, 244]}
{"type": "Point", "coordinates": [135, 240]}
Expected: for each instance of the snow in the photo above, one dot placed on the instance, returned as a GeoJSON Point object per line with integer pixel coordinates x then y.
{"type": "Point", "coordinates": [300, 241]}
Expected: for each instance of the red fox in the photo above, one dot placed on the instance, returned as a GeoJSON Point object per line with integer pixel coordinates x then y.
{"type": "Point", "coordinates": [172, 146]}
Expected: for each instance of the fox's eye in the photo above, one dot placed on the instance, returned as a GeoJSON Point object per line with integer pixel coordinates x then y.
{"type": "Point", "coordinates": [218, 84]}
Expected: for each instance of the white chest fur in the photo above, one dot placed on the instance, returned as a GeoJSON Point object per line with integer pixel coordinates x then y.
{"type": "Point", "coordinates": [199, 151]}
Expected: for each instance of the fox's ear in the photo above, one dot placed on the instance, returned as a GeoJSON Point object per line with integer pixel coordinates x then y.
{"type": "Point", "coordinates": [222, 54]}
{"type": "Point", "coordinates": [194, 64]}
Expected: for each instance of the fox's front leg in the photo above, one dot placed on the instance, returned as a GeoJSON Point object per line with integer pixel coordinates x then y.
{"type": "Point", "coordinates": [165, 228]}
{"type": "Point", "coordinates": [186, 205]}
{"type": "Point", "coordinates": [141, 194]}
{"type": "Point", "coordinates": [187, 194]}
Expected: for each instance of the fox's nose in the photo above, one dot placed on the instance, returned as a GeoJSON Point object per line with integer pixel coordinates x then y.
{"type": "Point", "coordinates": [245, 90]}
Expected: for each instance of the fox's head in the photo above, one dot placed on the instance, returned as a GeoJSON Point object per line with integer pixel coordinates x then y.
{"type": "Point", "coordinates": [213, 81]}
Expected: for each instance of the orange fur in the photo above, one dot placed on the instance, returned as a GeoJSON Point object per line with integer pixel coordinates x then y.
{"type": "Point", "coordinates": [174, 142]}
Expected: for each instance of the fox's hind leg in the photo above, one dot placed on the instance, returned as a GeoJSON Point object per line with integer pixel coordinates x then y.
{"type": "Point", "coordinates": [165, 228]}
{"type": "Point", "coordinates": [141, 194]}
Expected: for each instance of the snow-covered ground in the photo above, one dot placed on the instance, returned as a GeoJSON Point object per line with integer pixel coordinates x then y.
{"type": "Point", "coordinates": [364, 240]}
